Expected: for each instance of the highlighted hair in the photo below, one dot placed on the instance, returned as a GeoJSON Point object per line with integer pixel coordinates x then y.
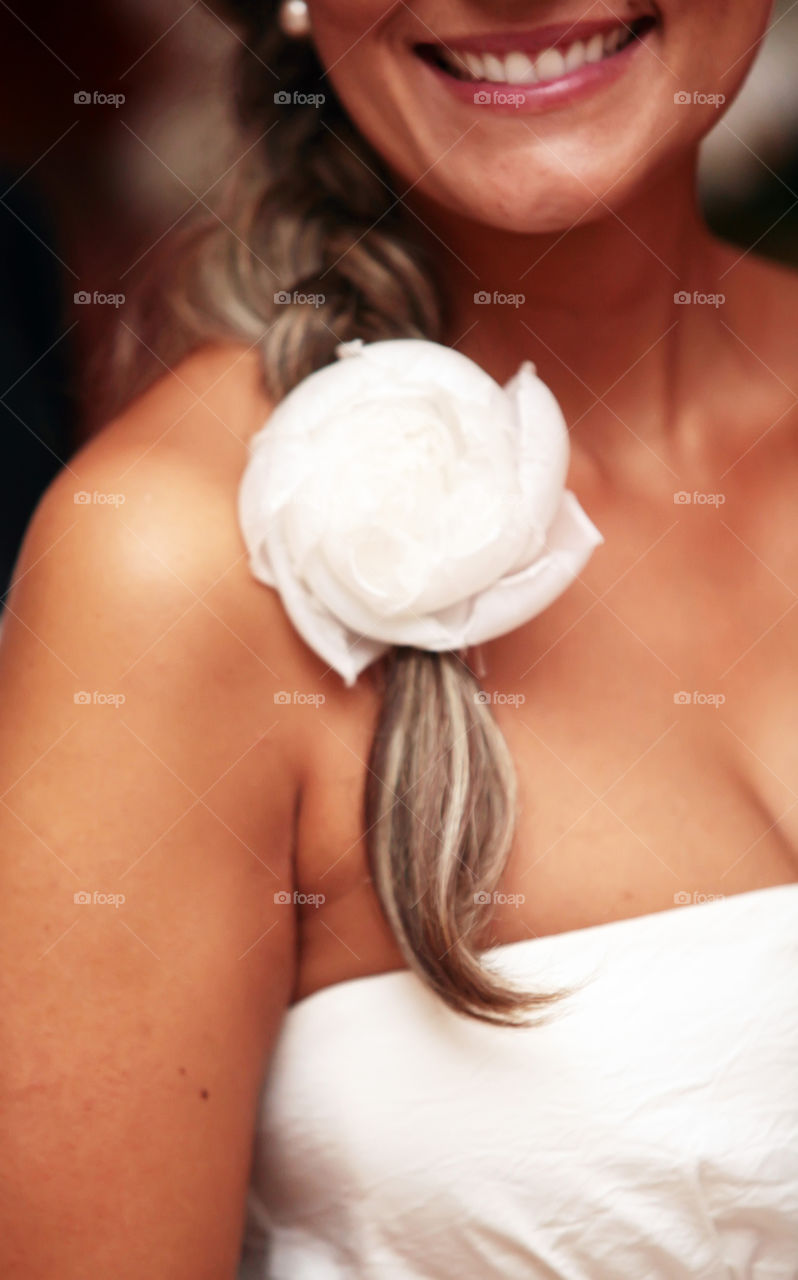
{"type": "Point", "coordinates": [314, 213]}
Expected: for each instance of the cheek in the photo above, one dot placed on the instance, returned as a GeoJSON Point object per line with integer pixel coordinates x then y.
{"type": "Point", "coordinates": [341, 26]}
{"type": "Point", "coordinates": [355, 42]}
{"type": "Point", "coordinates": [709, 45]}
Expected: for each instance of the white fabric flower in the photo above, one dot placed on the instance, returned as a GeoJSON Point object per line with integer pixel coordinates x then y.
{"type": "Point", "coordinates": [402, 497]}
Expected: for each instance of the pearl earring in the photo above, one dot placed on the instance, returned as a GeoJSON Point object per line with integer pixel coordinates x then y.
{"type": "Point", "coordinates": [294, 18]}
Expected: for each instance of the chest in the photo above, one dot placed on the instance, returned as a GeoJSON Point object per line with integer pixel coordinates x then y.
{"type": "Point", "coordinates": [653, 717]}
{"type": "Point", "coordinates": [651, 713]}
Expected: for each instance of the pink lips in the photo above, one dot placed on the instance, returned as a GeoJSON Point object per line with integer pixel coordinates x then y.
{"type": "Point", "coordinates": [513, 99]}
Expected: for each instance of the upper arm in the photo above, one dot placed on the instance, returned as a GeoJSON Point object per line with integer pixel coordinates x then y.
{"type": "Point", "coordinates": [146, 825]}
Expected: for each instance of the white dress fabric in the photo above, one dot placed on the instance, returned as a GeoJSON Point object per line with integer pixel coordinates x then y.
{"type": "Point", "coordinates": [648, 1132]}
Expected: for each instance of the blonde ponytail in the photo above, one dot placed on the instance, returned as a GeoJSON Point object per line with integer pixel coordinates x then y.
{"type": "Point", "coordinates": [315, 249]}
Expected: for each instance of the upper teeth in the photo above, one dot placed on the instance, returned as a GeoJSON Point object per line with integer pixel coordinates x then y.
{"type": "Point", "coordinates": [519, 68]}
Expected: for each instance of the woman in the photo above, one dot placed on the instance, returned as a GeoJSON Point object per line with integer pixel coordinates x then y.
{"type": "Point", "coordinates": [285, 882]}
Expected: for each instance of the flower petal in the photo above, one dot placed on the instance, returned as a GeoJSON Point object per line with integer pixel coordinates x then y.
{"type": "Point", "coordinates": [516, 599]}
{"type": "Point", "coordinates": [543, 452]}
{"type": "Point", "coordinates": [346, 651]}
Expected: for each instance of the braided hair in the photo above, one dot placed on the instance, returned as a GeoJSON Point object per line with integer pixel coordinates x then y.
{"type": "Point", "coordinates": [314, 214]}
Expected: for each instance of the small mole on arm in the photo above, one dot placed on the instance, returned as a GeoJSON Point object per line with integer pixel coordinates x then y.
{"type": "Point", "coordinates": [203, 1093]}
{"type": "Point", "coordinates": [182, 1070]}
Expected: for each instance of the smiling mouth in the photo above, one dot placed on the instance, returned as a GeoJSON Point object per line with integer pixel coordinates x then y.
{"type": "Point", "coordinates": [520, 65]}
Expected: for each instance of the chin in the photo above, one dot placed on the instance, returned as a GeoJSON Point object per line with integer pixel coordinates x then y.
{"type": "Point", "coordinates": [525, 195]}
{"type": "Point", "coordinates": [532, 125]}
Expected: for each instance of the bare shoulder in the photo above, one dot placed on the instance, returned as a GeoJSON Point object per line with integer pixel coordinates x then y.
{"type": "Point", "coordinates": [217, 390]}
{"type": "Point", "coordinates": [760, 302]}
{"type": "Point", "coordinates": [754, 269]}
{"type": "Point", "coordinates": [186, 435]}
{"type": "Point", "coordinates": [141, 528]}
{"type": "Point", "coordinates": [757, 315]}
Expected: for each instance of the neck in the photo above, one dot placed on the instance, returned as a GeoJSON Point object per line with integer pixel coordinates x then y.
{"type": "Point", "coordinates": [594, 309]}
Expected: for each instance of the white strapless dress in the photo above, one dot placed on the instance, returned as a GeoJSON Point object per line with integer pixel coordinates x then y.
{"type": "Point", "coordinates": [649, 1132]}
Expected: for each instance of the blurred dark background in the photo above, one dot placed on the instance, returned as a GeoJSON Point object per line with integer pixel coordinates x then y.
{"type": "Point", "coordinates": [117, 124]}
